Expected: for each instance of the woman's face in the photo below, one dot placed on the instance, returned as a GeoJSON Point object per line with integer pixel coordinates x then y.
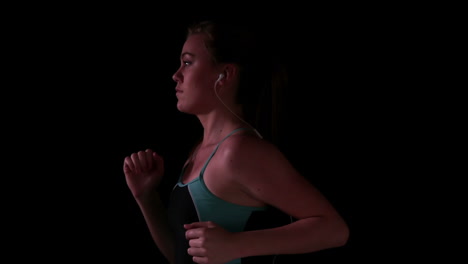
{"type": "Point", "coordinates": [195, 77]}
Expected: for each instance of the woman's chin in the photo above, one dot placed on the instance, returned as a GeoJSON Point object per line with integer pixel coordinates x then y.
{"type": "Point", "coordinates": [182, 109]}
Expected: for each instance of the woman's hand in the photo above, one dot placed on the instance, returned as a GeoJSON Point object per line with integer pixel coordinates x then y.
{"type": "Point", "coordinates": [143, 172]}
{"type": "Point", "coordinates": [209, 243]}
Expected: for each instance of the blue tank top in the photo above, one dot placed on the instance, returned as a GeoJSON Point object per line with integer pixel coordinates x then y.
{"type": "Point", "coordinates": [194, 202]}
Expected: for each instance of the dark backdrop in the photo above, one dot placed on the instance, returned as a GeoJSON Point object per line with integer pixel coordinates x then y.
{"type": "Point", "coordinates": [101, 88]}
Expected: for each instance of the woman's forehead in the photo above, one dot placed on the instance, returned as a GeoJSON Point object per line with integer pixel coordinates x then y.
{"type": "Point", "coordinates": [195, 45]}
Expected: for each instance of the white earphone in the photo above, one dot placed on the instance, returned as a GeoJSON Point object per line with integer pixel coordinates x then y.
{"type": "Point", "coordinates": [221, 75]}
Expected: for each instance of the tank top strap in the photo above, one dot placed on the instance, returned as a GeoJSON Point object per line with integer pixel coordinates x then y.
{"type": "Point", "coordinates": [217, 146]}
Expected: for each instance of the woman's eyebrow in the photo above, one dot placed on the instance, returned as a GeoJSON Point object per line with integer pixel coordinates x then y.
{"type": "Point", "coordinates": [188, 54]}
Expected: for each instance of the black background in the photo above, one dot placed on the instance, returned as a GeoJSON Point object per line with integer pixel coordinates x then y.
{"type": "Point", "coordinates": [95, 85]}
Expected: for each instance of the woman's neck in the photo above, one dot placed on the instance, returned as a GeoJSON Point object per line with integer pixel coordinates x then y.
{"type": "Point", "coordinates": [215, 128]}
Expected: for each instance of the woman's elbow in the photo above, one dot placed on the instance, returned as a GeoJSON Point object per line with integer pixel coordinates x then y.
{"type": "Point", "coordinates": [341, 234]}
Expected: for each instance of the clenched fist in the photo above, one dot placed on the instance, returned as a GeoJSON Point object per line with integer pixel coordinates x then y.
{"type": "Point", "coordinates": [143, 172]}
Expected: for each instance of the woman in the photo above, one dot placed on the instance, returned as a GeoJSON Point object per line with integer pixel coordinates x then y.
{"type": "Point", "coordinates": [225, 206]}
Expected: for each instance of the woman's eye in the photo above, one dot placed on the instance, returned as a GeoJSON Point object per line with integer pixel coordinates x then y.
{"type": "Point", "coordinates": [187, 62]}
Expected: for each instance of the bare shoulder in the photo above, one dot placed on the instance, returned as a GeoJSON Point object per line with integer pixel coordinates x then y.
{"type": "Point", "coordinates": [249, 155]}
{"type": "Point", "coordinates": [246, 145]}
{"type": "Point", "coordinates": [266, 174]}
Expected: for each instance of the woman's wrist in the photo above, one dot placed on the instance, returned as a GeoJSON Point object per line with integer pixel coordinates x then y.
{"type": "Point", "coordinates": [239, 245]}
{"type": "Point", "coordinates": [149, 199]}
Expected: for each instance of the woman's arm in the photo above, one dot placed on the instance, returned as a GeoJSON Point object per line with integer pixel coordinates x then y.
{"type": "Point", "coordinates": [156, 219]}
{"type": "Point", "coordinates": [143, 172]}
{"type": "Point", "coordinates": [266, 175]}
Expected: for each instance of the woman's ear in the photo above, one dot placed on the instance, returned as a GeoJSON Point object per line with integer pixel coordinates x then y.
{"type": "Point", "coordinates": [229, 73]}
{"type": "Point", "coordinates": [227, 77]}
